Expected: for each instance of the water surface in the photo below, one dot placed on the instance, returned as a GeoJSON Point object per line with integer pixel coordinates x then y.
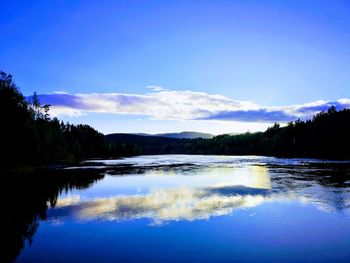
{"type": "Point", "coordinates": [174, 208]}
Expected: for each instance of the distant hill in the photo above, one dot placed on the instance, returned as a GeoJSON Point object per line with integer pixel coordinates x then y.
{"type": "Point", "coordinates": [142, 143]}
{"type": "Point", "coordinates": [134, 144]}
{"type": "Point", "coordinates": [180, 135]}
{"type": "Point", "coordinates": [186, 135]}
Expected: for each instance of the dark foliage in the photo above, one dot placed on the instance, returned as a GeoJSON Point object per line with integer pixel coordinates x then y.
{"type": "Point", "coordinates": [29, 136]}
{"type": "Point", "coordinates": [130, 144]}
{"type": "Point", "coordinates": [327, 135]}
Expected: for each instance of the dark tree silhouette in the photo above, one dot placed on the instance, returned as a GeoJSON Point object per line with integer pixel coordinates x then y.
{"type": "Point", "coordinates": [327, 135]}
{"type": "Point", "coordinates": [29, 136]}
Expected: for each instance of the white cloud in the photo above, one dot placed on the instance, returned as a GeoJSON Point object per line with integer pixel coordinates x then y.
{"type": "Point", "coordinates": [156, 88]}
{"type": "Point", "coordinates": [182, 105]}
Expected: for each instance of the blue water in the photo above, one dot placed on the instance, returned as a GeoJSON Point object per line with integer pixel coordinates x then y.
{"type": "Point", "coordinates": [175, 208]}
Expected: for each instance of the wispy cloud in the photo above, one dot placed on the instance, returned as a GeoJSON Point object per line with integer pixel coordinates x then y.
{"type": "Point", "coordinates": [182, 105]}
{"type": "Point", "coordinates": [156, 88]}
{"type": "Point", "coordinates": [280, 113]}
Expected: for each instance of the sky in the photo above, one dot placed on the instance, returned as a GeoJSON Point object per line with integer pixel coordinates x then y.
{"type": "Point", "coordinates": [171, 66]}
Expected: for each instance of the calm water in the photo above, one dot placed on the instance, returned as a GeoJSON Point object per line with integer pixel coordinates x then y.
{"type": "Point", "coordinates": [174, 208]}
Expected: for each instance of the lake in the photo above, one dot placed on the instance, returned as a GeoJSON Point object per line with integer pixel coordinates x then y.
{"type": "Point", "coordinates": [191, 208]}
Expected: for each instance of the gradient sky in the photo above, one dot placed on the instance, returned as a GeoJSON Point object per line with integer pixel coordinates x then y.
{"type": "Point", "coordinates": [289, 59]}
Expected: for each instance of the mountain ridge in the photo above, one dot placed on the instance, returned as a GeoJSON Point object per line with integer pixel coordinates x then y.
{"type": "Point", "coordinates": [179, 135]}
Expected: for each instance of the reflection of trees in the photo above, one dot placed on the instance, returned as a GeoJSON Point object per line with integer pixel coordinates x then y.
{"type": "Point", "coordinates": [25, 199]}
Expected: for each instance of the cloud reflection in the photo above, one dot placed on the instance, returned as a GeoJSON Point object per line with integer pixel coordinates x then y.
{"type": "Point", "coordinates": [222, 190]}
{"type": "Point", "coordinates": [199, 194]}
{"type": "Point", "coordinates": [166, 205]}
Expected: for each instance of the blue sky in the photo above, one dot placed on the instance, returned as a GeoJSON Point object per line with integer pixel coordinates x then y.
{"type": "Point", "coordinates": [281, 56]}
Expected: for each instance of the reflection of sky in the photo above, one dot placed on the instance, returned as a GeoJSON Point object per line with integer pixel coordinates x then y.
{"type": "Point", "coordinates": [163, 193]}
{"type": "Point", "coordinates": [163, 205]}
{"type": "Point", "coordinates": [205, 160]}
{"type": "Point", "coordinates": [234, 210]}
{"type": "Point", "coordinates": [194, 177]}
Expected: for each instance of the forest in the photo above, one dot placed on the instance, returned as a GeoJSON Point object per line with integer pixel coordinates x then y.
{"type": "Point", "coordinates": [327, 135]}
{"type": "Point", "coordinates": [28, 135]}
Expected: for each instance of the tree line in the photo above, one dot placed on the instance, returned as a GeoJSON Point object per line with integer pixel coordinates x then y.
{"type": "Point", "coordinates": [326, 135]}
{"type": "Point", "coordinates": [28, 135]}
